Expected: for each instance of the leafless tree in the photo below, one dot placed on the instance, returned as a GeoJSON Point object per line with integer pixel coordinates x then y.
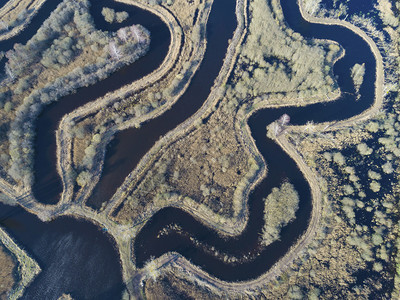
{"type": "Point", "coordinates": [4, 25]}
{"type": "Point", "coordinates": [136, 33]}
{"type": "Point", "coordinates": [114, 51]}
{"type": "Point", "coordinates": [122, 34]}
{"type": "Point", "coordinates": [9, 72]}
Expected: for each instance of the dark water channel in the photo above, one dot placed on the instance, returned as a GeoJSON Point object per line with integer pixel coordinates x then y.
{"type": "Point", "coordinates": [130, 145]}
{"type": "Point", "coordinates": [77, 244]}
{"type": "Point", "coordinates": [279, 165]}
{"type": "Point", "coordinates": [48, 186]}
{"type": "Point", "coordinates": [75, 256]}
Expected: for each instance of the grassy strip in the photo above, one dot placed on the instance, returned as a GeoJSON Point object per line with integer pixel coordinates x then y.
{"type": "Point", "coordinates": [28, 268]}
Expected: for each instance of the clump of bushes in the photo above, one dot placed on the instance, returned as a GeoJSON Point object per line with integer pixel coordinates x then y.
{"type": "Point", "coordinates": [111, 16]}
{"type": "Point", "coordinates": [357, 74]}
{"type": "Point", "coordinates": [280, 209]}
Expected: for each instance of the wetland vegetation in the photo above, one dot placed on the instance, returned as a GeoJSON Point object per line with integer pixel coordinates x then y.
{"type": "Point", "coordinates": [211, 168]}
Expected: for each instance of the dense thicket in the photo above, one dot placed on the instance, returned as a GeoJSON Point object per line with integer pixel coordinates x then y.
{"type": "Point", "coordinates": [280, 209]}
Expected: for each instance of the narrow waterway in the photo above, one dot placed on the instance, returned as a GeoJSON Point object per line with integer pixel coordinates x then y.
{"type": "Point", "coordinates": [48, 185]}
{"type": "Point", "coordinates": [74, 242]}
{"type": "Point", "coordinates": [130, 145]}
{"type": "Point", "coordinates": [280, 166]}
{"type": "Point", "coordinates": [75, 256]}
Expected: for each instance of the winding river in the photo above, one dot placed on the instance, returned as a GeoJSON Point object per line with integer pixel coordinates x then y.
{"type": "Point", "coordinates": [48, 185]}
{"type": "Point", "coordinates": [36, 237]}
{"type": "Point", "coordinates": [75, 256]}
{"type": "Point", "coordinates": [280, 166]}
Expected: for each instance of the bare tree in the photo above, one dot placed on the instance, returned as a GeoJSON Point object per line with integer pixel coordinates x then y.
{"type": "Point", "coordinates": [9, 72]}
{"type": "Point", "coordinates": [136, 33]}
{"type": "Point", "coordinates": [122, 34]}
{"type": "Point", "coordinates": [4, 25]}
{"type": "Point", "coordinates": [114, 51]}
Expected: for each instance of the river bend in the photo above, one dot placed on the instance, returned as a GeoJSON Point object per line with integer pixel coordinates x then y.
{"type": "Point", "coordinates": [221, 25]}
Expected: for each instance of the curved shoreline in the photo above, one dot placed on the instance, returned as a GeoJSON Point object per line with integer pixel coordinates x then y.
{"type": "Point", "coordinates": [186, 126]}
{"type": "Point", "coordinates": [49, 212]}
{"type": "Point", "coordinates": [16, 30]}
{"type": "Point", "coordinates": [378, 102]}
{"type": "Point", "coordinates": [197, 51]}
{"type": "Point", "coordinates": [292, 152]}
{"type": "Point", "coordinates": [28, 267]}
{"type": "Point", "coordinates": [64, 142]}
{"type": "Point", "coordinates": [283, 263]}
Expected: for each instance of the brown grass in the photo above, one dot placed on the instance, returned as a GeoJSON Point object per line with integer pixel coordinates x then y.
{"type": "Point", "coordinates": [205, 165]}
{"type": "Point", "coordinates": [7, 270]}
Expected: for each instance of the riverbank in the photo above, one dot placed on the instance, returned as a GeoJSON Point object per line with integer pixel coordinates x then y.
{"type": "Point", "coordinates": [222, 180]}
{"type": "Point", "coordinates": [19, 12]}
{"type": "Point", "coordinates": [124, 234]}
{"type": "Point", "coordinates": [379, 82]}
{"type": "Point", "coordinates": [185, 54]}
{"type": "Point", "coordinates": [48, 212]}
{"type": "Point", "coordinates": [313, 180]}
{"type": "Point", "coordinates": [183, 129]}
{"type": "Point", "coordinates": [64, 140]}
{"type": "Point", "coordinates": [28, 268]}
